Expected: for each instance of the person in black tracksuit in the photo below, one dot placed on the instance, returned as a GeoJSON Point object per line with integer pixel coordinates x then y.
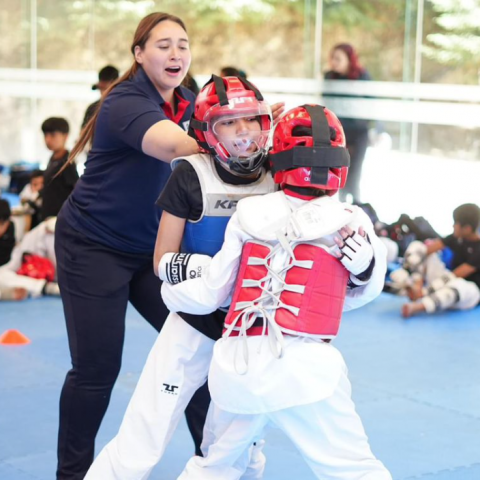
{"type": "Point", "coordinates": [59, 177]}
{"type": "Point", "coordinates": [345, 66]}
{"type": "Point", "coordinates": [106, 76]}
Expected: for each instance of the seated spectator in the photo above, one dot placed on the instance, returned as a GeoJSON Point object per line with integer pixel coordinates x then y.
{"type": "Point", "coordinates": [38, 242]}
{"type": "Point", "coordinates": [32, 189]}
{"type": "Point", "coordinates": [59, 182]}
{"type": "Point", "coordinates": [106, 76]}
{"type": "Point", "coordinates": [30, 197]}
{"type": "Point", "coordinates": [432, 287]}
{"type": "Point", "coordinates": [7, 243]}
{"type": "Point", "coordinates": [12, 293]}
{"type": "Point", "coordinates": [7, 232]}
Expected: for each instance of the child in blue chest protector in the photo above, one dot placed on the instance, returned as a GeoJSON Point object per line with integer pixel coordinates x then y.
{"type": "Point", "coordinates": [232, 123]}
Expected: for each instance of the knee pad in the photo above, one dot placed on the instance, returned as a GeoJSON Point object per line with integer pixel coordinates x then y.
{"type": "Point", "coordinates": [469, 293]}
{"type": "Point", "coordinates": [442, 299]}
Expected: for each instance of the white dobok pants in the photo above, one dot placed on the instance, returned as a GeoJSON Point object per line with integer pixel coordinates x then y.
{"type": "Point", "coordinates": [39, 242]}
{"type": "Point", "coordinates": [10, 279]}
{"type": "Point", "coordinates": [176, 367]}
{"type": "Point", "coordinates": [468, 292]}
{"type": "Point", "coordinates": [329, 434]}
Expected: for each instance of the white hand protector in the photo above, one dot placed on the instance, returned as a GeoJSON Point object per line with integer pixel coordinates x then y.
{"type": "Point", "coordinates": [177, 267]}
{"type": "Point", "coordinates": [414, 255]}
{"type": "Point", "coordinates": [319, 218]}
{"type": "Point", "coordinates": [356, 251]}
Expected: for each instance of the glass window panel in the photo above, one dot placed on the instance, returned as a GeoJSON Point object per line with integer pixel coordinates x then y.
{"type": "Point", "coordinates": [15, 23]}
{"type": "Point", "coordinates": [451, 42]}
{"type": "Point", "coordinates": [64, 35]}
{"type": "Point", "coordinates": [265, 38]}
{"type": "Point", "coordinates": [376, 28]}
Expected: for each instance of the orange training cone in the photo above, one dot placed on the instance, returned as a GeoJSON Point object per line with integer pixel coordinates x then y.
{"type": "Point", "coordinates": [13, 337]}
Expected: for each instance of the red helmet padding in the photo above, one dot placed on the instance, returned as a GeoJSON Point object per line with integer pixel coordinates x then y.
{"type": "Point", "coordinates": [284, 140]}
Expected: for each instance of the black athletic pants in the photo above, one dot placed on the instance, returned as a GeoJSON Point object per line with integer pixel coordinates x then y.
{"type": "Point", "coordinates": [96, 284]}
{"type": "Point", "coordinates": [357, 143]}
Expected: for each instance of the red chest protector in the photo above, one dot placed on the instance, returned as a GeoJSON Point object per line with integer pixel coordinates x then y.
{"type": "Point", "coordinates": [35, 266]}
{"type": "Point", "coordinates": [309, 302]}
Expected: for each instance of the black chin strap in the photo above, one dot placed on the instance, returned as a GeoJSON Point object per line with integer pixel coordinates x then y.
{"type": "Point", "coordinates": [319, 158]}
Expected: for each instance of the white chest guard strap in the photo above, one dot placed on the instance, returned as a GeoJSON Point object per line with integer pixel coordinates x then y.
{"type": "Point", "coordinates": [319, 218]}
{"type": "Point", "coordinates": [263, 216]}
{"type": "Point", "coordinates": [266, 217]}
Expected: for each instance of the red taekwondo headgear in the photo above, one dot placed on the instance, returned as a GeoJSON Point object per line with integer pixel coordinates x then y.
{"type": "Point", "coordinates": [309, 150]}
{"type": "Point", "coordinates": [228, 99]}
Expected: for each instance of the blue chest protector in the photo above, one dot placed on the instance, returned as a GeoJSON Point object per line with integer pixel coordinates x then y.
{"type": "Point", "coordinates": [206, 235]}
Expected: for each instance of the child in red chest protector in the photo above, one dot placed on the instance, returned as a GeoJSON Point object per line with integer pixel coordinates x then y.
{"type": "Point", "coordinates": [291, 262]}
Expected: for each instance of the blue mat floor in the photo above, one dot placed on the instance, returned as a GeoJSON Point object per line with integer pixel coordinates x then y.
{"type": "Point", "coordinates": [416, 385]}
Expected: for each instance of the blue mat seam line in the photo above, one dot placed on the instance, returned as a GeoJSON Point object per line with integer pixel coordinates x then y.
{"type": "Point", "coordinates": [445, 470]}
{"type": "Point", "coordinates": [13, 467]}
{"type": "Point", "coordinates": [390, 396]}
{"type": "Point", "coordinates": [9, 459]}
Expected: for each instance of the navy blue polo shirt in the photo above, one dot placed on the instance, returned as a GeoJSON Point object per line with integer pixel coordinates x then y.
{"type": "Point", "coordinates": [114, 201]}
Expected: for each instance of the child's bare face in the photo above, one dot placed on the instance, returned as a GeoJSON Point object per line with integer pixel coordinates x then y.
{"type": "Point", "coordinates": [55, 141]}
{"type": "Point", "coordinates": [36, 184]}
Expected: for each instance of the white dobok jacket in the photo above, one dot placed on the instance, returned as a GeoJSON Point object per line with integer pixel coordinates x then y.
{"type": "Point", "coordinates": [245, 376]}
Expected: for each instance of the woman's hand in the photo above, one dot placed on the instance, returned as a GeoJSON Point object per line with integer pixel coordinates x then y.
{"type": "Point", "coordinates": [277, 110]}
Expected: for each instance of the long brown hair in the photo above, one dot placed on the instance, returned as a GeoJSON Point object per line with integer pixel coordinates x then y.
{"type": "Point", "coordinates": [142, 34]}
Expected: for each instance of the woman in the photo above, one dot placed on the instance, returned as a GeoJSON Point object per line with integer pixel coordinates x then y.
{"type": "Point", "coordinates": [106, 231]}
{"type": "Point", "coordinates": [344, 65]}
{"type": "Point", "coordinates": [197, 202]}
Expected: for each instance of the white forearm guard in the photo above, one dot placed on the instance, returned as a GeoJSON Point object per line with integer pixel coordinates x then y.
{"type": "Point", "coordinates": [177, 267]}
{"type": "Point", "coordinates": [440, 282]}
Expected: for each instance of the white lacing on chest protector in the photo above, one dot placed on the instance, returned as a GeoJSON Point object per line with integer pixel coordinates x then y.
{"type": "Point", "coordinates": [266, 305]}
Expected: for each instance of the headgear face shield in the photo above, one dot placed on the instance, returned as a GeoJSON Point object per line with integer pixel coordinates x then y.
{"type": "Point", "coordinates": [233, 122]}
{"type": "Point", "coordinates": [240, 133]}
